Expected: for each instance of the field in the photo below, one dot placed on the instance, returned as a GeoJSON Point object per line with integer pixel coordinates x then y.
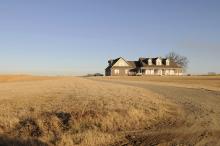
{"type": "Point", "coordinates": [206, 82]}
{"type": "Point", "coordinates": [110, 111]}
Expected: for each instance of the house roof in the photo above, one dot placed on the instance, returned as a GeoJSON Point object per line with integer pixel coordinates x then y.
{"type": "Point", "coordinates": [143, 62]}
{"type": "Point", "coordinates": [116, 60]}
{"type": "Point", "coordinates": [132, 64]}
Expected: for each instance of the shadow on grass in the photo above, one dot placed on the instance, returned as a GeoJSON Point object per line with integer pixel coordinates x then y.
{"type": "Point", "coordinates": [13, 141]}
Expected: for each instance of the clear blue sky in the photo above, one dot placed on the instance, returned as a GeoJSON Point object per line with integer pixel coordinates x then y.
{"type": "Point", "coordinates": [79, 36]}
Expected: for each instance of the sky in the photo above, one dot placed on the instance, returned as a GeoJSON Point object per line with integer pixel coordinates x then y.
{"type": "Point", "coordinates": [76, 37]}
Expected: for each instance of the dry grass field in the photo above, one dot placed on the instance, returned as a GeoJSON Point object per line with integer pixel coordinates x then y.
{"type": "Point", "coordinates": [74, 111]}
{"type": "Point", "coordinates": [67, 111]}
{"type": "Point", "coordinates": [23, 78]}
{"type": "Point", "coordinates": [207, 82]}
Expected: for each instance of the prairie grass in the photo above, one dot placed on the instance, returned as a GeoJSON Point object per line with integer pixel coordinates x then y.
{"type": "Point", "coordinates": [75, 111]}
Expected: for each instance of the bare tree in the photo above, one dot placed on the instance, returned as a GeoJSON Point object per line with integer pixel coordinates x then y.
{"type": "Point", "coordinates": [182, 61]}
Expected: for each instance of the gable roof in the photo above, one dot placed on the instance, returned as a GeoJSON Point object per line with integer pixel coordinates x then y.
{"type": "Point", "coordinates": [131, 64]}
{"type": "Point", "coordinates": [117, 59]}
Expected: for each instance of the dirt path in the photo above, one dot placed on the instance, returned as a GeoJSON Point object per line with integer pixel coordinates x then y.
{"type": "Point", "coordinates": [198, 124]}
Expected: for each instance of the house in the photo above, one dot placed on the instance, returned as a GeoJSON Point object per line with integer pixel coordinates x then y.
{"type": "Point", "coordinates": [144, 66]}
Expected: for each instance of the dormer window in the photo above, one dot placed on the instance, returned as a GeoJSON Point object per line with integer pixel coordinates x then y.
{"type": "Point", "coordinates": [167, 62]}
{"type": "Point", "coordinates": [158, 61]}
{"type": "Point", "coordinates": [149, 61]}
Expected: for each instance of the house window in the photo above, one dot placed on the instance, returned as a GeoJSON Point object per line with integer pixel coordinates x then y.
{"type": "Point", "coordinates": [126, 71]}
{"type": "Point", "coordinates": [172, 72]}
{"type": "Point", "coordinates": [116, 71]}
{"type": "Point", "coordinates": [167, 72]}
{"type": "Point", "coordinates": [159, 72]}
{"type": "Point", "coordinates": [147, 72]}
{"type": "Point", "coordinates": [152, 72]}
{"type": "Point", "coordinates": [158, 62]}
{"type": "Point", "coordinates": [149, 62]}
{"type": "Point", "coordinates": [167, 62]}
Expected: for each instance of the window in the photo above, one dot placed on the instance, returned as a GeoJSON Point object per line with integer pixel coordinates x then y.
{"type": "Point", "coordinates": [147, 72]}
{"type": "Point", "coordinates": [171, 72]}
{"type": "Point", "coordinates": [126, 71]}
{"type": "Point", "coordinates": [167, 72]}
{"type": "Point", "coordinates": [116, 71]}
{"type": "Point", "coordinates": [149, 61]}
{"type": "Point", "coordinates": [167, 62]}
{"type": "Point", "coordinates": [152, 72]}
{"type": "Point", "coordinates": [160, 72]}
{"type": "Point", "coordinates": [158, 62]}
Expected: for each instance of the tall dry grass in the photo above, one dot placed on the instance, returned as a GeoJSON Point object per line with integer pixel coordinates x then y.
{"type": "Point", "coordinates": [75, 111]}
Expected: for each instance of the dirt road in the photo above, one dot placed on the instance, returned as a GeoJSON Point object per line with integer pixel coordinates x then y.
{"type": "Point", "coordinates": [198, 123]}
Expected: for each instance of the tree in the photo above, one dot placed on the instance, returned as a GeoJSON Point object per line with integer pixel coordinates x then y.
{"type": "Point", "coordinates": [180, 60]}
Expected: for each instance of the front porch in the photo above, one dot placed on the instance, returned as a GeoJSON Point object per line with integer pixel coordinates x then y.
{"type": "Point", "coordinates": [160, 72]}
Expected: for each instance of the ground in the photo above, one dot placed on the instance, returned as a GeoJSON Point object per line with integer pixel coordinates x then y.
{"type": "Point", "coordinates": [109, 111]}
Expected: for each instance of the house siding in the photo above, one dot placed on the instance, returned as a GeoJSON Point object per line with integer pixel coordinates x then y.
{"type": "Point", "coordinates": [120, 71]}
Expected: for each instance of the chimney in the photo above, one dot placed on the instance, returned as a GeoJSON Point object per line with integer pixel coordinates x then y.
{"type": "Point", "coordinates": [110, 62]}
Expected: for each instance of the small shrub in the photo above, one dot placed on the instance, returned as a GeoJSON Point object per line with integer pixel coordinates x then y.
{"type": "Point", "coordinates": [64, 118]}
{"type": "Point", "coordinates": [28, 127]}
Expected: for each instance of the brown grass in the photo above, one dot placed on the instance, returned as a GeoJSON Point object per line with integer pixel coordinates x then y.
{"type": "Point", "coordinates": [23, 78]}
{"type": "Point", "coordinates": [75, 111]}
{"type": "Point", "coordinates": [207, 82]}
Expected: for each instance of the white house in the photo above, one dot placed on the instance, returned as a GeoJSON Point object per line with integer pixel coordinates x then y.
{"type": "Point", "coordinates": [144, 66]}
